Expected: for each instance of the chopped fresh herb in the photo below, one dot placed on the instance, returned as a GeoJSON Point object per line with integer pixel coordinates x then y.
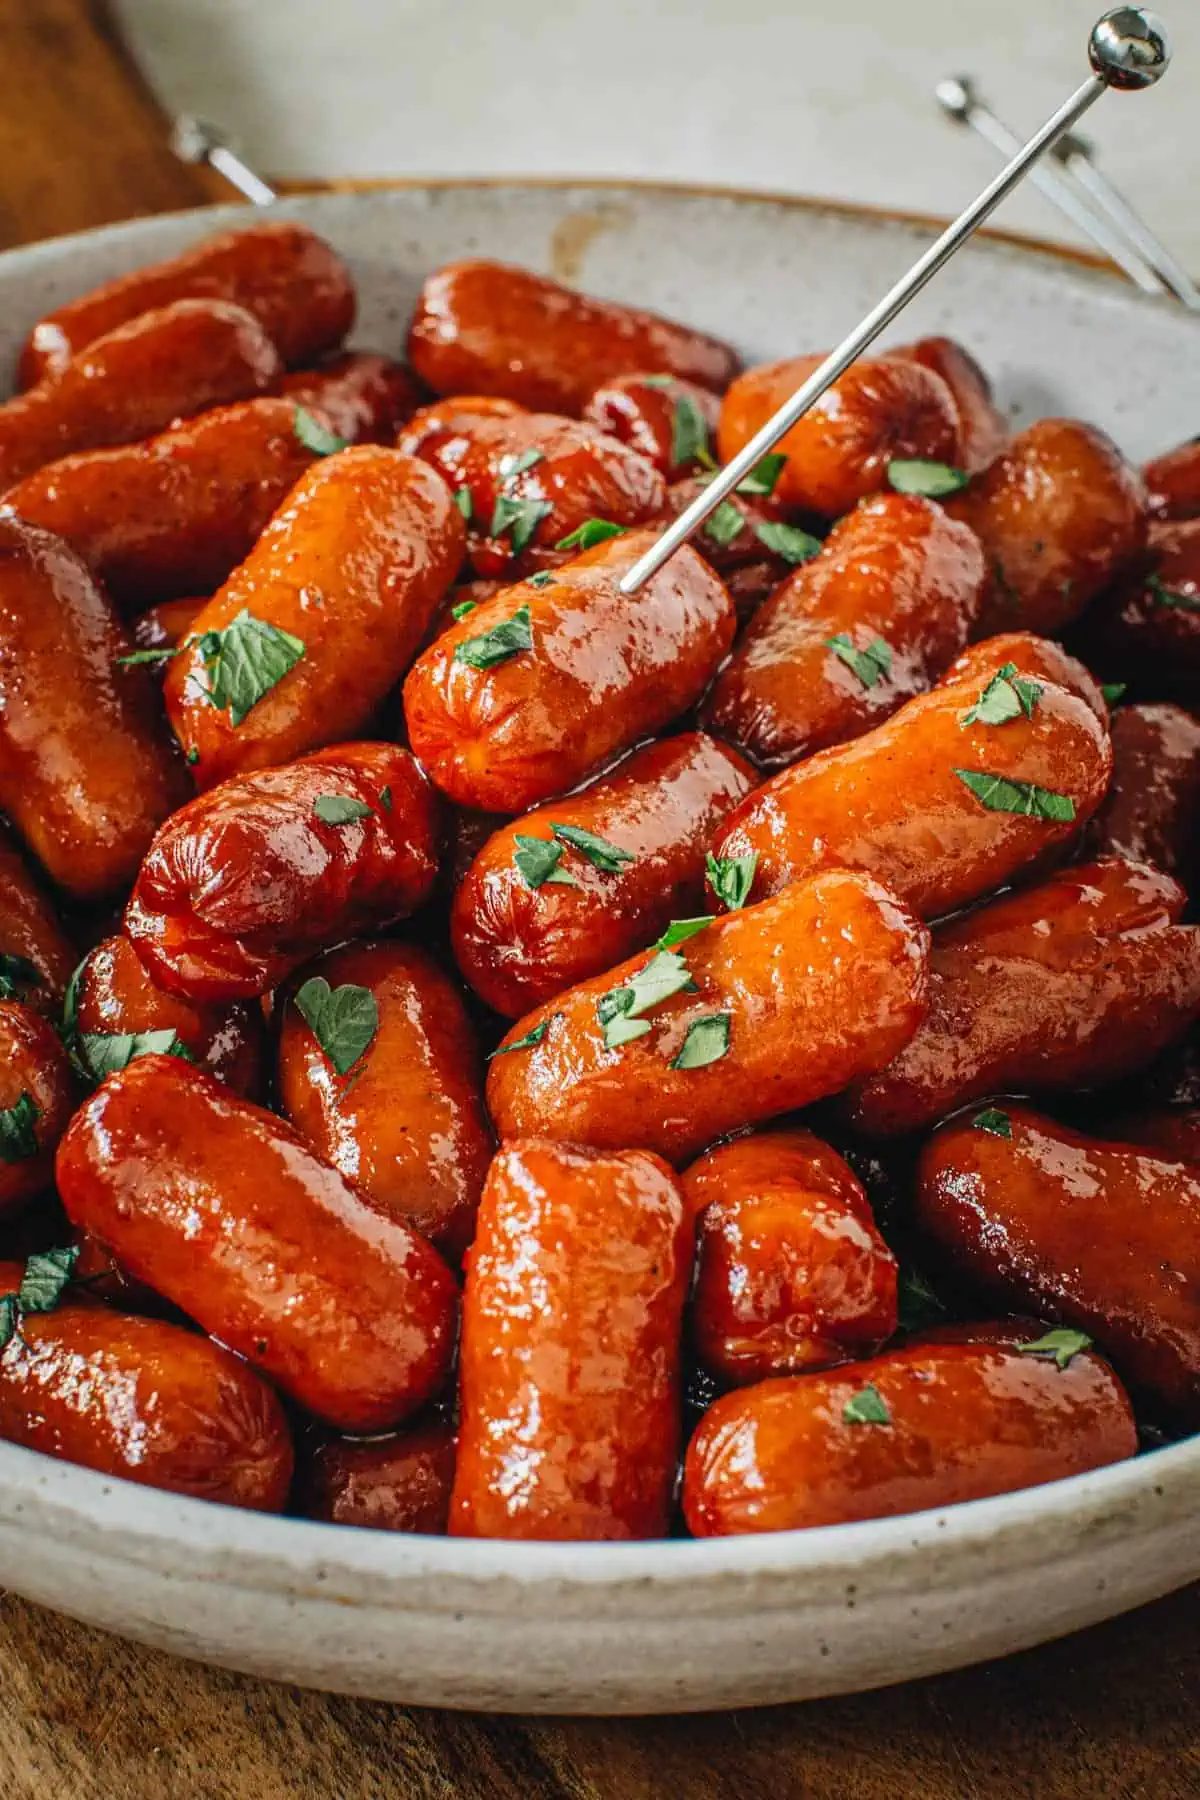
{"type": "Point", "coordinates": [680, 930]}
{"type": "Point", "coordinates": [463, 607]}
{"type": "Point", "coordinates": [998, 794]}
{"type": "Point", "coordinates": [592, 531]}
{"type": "Point", "coordinates": [689, 434]}
{"type": "Point", "coordinates": [1063, 1345]}
{"type": "Point", "coordinates": [763, 477]}
{"type": "Point", "coordinates": [385, 798]}
{"type": "Point", "coordinates": [707, 1041]}
{"type": "Point", "coordinates": [496, 646]}
{"type": "Point", "coordinates": [47, 1273]}
{"type": "Point", "coordinates": [623, 1029]}
{"type": "Point", "coordinates": [520, 518]}
{"type": "Point", "coordinates": [462, 499]}
{"type": "Point", "coordinates": [917, 1303]}
{"type": "Point", "coordinates": [315, 436]}
{"type": "Point", "coordinates": [995, 1122]}
{"type": "Point", "coordinates": [245, 661]}
{"type": "Point", "coordinates": [101, 1053]}
{"type": "Point", "coordinates": [339, 809]}
{"type": "Point", "coordinates": [725, 524]}
{"type": "Point", "coordinates": [18, 1141]}
{"type": "Point", "coordinates": [193, 757]}
{"type": "Point", "coordinates": [664, 975]}
{"type": "Point", "coordinates": [16, 972]}
{"type": "Point", "coordinates": [542, 579]}
{"type": "Point", "coordinates": [602, 855]}
{"type": "Point", "coordinates": [870, 665]}
{"type": "Point", "coordinates": [867, 1407]}
{"type": "Point", "coordinates": [529, 1040]}
{"type": "Point", "coordinates": [788, 541]}
{"type": "Point", "coordinates": [1112, 691]}
{"type": "Point", "coordinates": [658, 381]}
{"type": "Point", "coordinates": [536, 861]}
{"type": "Point", "coordinates": [1006, 696]}
{"type": "Point", "coordinates": [1165, 596]}
{"type": "Point", "coordinates": [10, 1319]}
{"type": "Point", "coordinates": [731, 878]}
{"type": "Point", "coordinates": [343, 1019]}
{"type": "Point", "coordinates": [918, 475]}
{"type": "Point", "coordinates": [150, 656]}
{"type": "Point", "coordinates": [512, 466]}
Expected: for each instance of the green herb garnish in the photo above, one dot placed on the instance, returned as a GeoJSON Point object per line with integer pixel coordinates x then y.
{"type": "Point", "coordinates": [244, 661]}
{"type": "Point", "coordinates": [788, 541]}
{"type": "Point", "coordinates": [542, 579]}
{"type": "Point", "coordinates": [339, 809]}
{"type": "Point", "coordinates": [512, 466]}
{"type": "Point", "coordinates": [520, 518]}
{"type": "Point", "coordinates": [18, 1141]}
{"type": "Point", "coordinates": [764, 476]}
{"type": "Point", "coordinates": [707, 1041]}
{"type": "Point", "coordinates": [43, 1282]}
{"type": "Point", "coordinates": [496, 646]}
{"type": "Point", "coordinates": [917, 1304]}
{"type": "Point", "coordinates": [16, 973]}
{"type": "Point", "coordinates": [1006, 696]}
{"type": "Point", "coordinates": [931, 480]}
{"type": "Point", "coordinates": [1112, 691]}
{"type": "Point", "coordinates": [602, 855]}
{"type": "Point", "coordinates": [1063, 1345]}
{"type": "Point", "coordinates": [867, 1407]}
{"type": "Point", "coordinates": [1165, 596]}
{"type": "Point", "coordinates": [464, 503]}
{"type": "Point", "coordinates": [620, 1008]}
{"type": "Point", "coordinates": [100, 1053]}
{"type": "Point", "coordinates": [316, 437]}
{"type": "Point", "coordinates": [343, 1019]}
{"type": "Point", "coordinates": [136, 657]}
{"type": "Point", "coordinates": [998, 794]}
{"type": "Point", "coordinates": [731, 878]}
{"type": "Point", "coordinates": [689, 434]}
{"type": "Point", "coordinates": [462, 608]}
{"type": "Point", "coordinates": [725, 524]}
{"type": "Point", "coordinates": [529, 1040]}
{"type": "Point", "coordinates": [536, 861]}
{"type": "Point", "coordinates": [995, 1122]}
{"type": "Point", "coordinates": [592, 531]}
{"type": "Point", "coordinates": [680, 930]}
{"type": "Point", "coordinates": [192, 757]}
{"type": "Point", "coordinates": [870, 665]}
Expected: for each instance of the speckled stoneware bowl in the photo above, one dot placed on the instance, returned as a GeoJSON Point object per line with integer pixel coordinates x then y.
{"type": "Point", "coordinates": [660, 1626]}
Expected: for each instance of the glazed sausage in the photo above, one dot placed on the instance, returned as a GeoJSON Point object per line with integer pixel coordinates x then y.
{"type": "Point", "coordinates": [728, 546]}
{"type": "Point", "coordinates": [248, 880]}
{"type": "Point", "coordinates": [1152, 811]}
{"type": "Point", "coordinates": [363, 397]}
{"type": "Point", "coordinates": [138, 380]}
{"type": "Point", "coordinates": [1172, 1131]}
{"type": "Point", "coordinates": [1102, 1237]}
{"type": "Point", "coordinates": [1064, 986]}
{"type": "Point", "coordinates": [893, 803]}
{"type": "Point", "coordinates": [672, 422]}
{"type": "Point", "coordinates": [36, 958]}
{"type": "Point", "coordinates": [602, 669]}
{"type": "Point", "coordinates": [1060, 514]}
{"type": "Point", "coordinates": [1041, 658]}
{"type": "Point", "coordinates": [350, 1313]}
{"type": "Point", "coordinates": [175, 515]}
{"type": "Point", "coordinates": [113, 995]}
{"type": "Point", "coordinates": [488, 328]}
{"type": "Point", "coordinates": [352, 568]}
{"type": "Point", "coordinates": [404, 1123]}
{"type": "Point", "coordinates": [981, 427]}
{"type": "Point", "coordinates": [519, 940]}
{"type": "Point", "coordinates": [526, 482]}
{"type": "Point", "coordinates": [144, 1400]}
{"type": "Point", "coordinates": [87, 769]}
{"type": "Point", "coordinates": [963, 1420]}
{"type": "Point", "coordinates": [1173, 482]}
{"type": "Point", "coordinates": [37, 1097]}
{"type": "Point", "coordinates": [295, 285]}
{"type": "Point", "coordinates": [1148, 628]}
{"type": "Point", "coordinates": [753, 583]}
{"type": "Point", "coordinates": [785, 1003]}
{"type": "Point", "coordinates": [397, 1483]}
{"type": "Point", "coordinates": [851, 635]}
{"type": "Point", "coordinates": [791, 1273]}
{"type": "Point", "coordinates": [453, 416]}
{"type": "Point", "coordinates": [570, 1407]}
{"type": "Point", "coordinates": [881, 410]}
{"type": "Point", "coordinates": [165, 626]}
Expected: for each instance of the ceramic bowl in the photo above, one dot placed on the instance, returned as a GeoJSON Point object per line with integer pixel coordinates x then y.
{"type": "Point", "coordinates": [662, 1626]}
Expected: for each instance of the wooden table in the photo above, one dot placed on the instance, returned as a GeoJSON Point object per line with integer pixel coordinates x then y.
{"type": "Point", "coordinates": [1108, 1715]}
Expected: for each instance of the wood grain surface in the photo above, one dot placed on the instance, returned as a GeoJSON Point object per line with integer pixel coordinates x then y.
{"type": "Point", "coordinates": [1107, 1715]}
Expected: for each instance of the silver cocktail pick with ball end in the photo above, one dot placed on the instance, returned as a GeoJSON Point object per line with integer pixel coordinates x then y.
{"type": "Point", "coordinates": [195, 141]}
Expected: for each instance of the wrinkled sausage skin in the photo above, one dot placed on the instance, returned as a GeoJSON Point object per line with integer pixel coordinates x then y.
{"type": "Point", "coordinates": [350, 1313]}
{"type": "Point", "coordinates": [248, 880]}
{"type": "Point", "coordinates": [405, 1125]}
{"type": "Point", "coordinates": [823, 983]}
{"type": "Point", "coordinates": [37, 1097]}
{"type": "Point", "coordinates": [1099, 1236]}
{"type": "Point", "coordinates": [519, 945]}
{"type": "Point", "coordinates": [1059, 987]}
{"type": "Point", "coordinates": [791, 1273]}
{"type": "Point", "coordinates": [1152, 810]}
{"type": "Point", "coordinates": [401, 1482]}
{"type": "Point", "coordinates": [570, 1408]}
{"type": "Point", "coordinates": [488, 328]}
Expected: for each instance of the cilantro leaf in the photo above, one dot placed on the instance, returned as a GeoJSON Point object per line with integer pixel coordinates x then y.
{"type": "Point", "coordinates": [725, 524]}
{"type": "Point", "coordinates": [135, 657]}
{"type": "Point", "coordinates": [47, 1273]}
{"type": "Point", "coordinates": [101, 1053]}
{"type": "Point", "coordinates": [920, 475]}
{"type": "Point", "coordinates": [623, 1028]}
{"type": "Point", "coordinates": [1165, 596]}
{"type": "Point", "coordinates": [18, 1141]}
{"type": "Point", "coordinates": [464, 503]}
{"type": "Point", "coordinates": [788, 541]}
{"type": "Point", "coordinates": [339, 809]}
{"type": "Point", "coordinates": [463, 607]}
{"type": "Point", "coordinates": [245, 661]}
{"type": "Point", "coordinates": [867, 1407]}
{"type": "Point", "coordinates": [536, 861]}
{"type": "Point", "coordinates": [512, 466]}
{"type": "Point", "coordinates": [763, 477]}
{"type": "Point", "coordinates": [10, 1319]}
{"type": "Point", "coordinates": [994, 1121]}
{"type": "Point", "coordinates": [1112, 691]}
{"type": "Point", "coordinates": [343, 1019]}
{"type": "Point", "coordinates": [602, 855]}
{"type": "Point", "coordinates": [385, 797]}
{"type": "Point", "coordinates": [315, 436]}
{"type": "Point", "coordinates": [707, 1041]}
{"type": "Point", "coordinates": [518, 517]}
{"type": "Point", "coordinates": [731, 878]}
{"type": "Point", "coordinates": [680, 930]}
{"type": "Point", "coordinates": [1006, 696]}
{"type": "Point", "coordinates": [664, 975]}
{"type": "Point", "coordinates": [1063, 1345]}
{"type": "Point", "coordinates": [689, 434]}
{"type": "Point", "coordinates": [592, 531]}
{"type": "Point", "coordinates": [916, 1301]}
{"type": "Point", "coordinates": [542, 579]}
{"type": "Point", "coordinates": [528, 1041]}
{"type": "Point", "coordinates": [998, 794]}
{"type": "Point", "coordinates": [16, 972]}
{"type": "Point", "coordinates": [496, 646]}
{"type": "Point", "coordinates": [870, 665]}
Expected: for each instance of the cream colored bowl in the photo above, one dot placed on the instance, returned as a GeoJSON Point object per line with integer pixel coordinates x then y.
{"type": "Point", "coordinates": [661, 1626]}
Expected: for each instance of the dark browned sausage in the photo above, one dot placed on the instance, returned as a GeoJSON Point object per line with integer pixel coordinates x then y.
{"type": "Point", "coordinates": [1152, 810]}
{"type": "Point", "coordinates": [37, 1095]}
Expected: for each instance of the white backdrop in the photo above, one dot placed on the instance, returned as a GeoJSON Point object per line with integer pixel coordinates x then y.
{"type": "Point", "coordinates": [829, 97]}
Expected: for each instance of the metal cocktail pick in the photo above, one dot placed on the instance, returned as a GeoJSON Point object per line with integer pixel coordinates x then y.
{"type": "Point", "coordinates": [194, 141]}
{"type": "Point", "coordinates": [1129, 50]}
{"type": "Point", "coordinates": [1077, 157]}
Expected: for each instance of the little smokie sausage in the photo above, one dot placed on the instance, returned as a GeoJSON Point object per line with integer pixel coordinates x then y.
{"type": "Point", "coordinates": [1173, 482]}
{"type": "Point", "coordinates": [1042, 658]}
{"type": "Point", "coordinates": [1172, 1132]}
{"type": "Point", "coordinates": [672, 422]}
{"type": "Point", "coordinates": [1060, 514]}
{"type": "Point", "coordinates": [940, 807]}
{"type": "Point", "coordinates": [1064, 986]}
{"type": "Point", "coordinates": [340, 589]}
{"type": "Point", "coordinates": [927, 1426]}
{"type": "Point", "coordinates": [569, 890]}
{"type": "Point", "coordinates": [454, 415]}
{"type": "Point", "coordinates": [260, 873]}
{"type": "Point", "coordinates": [1152, 810]}
{"type": "Point", "coordinates": [175, 515]}
{"type": "Point", "coordinates": [526, 482]}
{"type": "Point", "coordinates": [361, 396]}
{"type": "Point", "coordinates": [881, 410]}
{"type": "Point", "coordinates": [400, 1482]}
{"type": "Point", "coordinates": [295, 285]}
{"type": "Point", "coordinates": [488, 328]}
{"type": "Point", "coordinates": [550, 679]}
{"type": "Point", "coordinates": [403, 1120]}
{"type": "Point", "coordinates": [36, 958]}
{"type": "Point", "coordinates": [1102, 1237]}
{"type": "Point", "coordinates": [1147, 629]}
{"type": "Point", "coordinates": [853, 633]}
{"type": "Point", "coordinates": [144, 1400]}
{"type": "Point", "coordinates": [570, 1406]}
{"type": "Point", "coordinates": [87, 767]}
{"type": "Point", "coordinates": [763, 1011]}
{"type": "Point", "coordinates": [113, 997]}
{"type": "Point", "coordinates": [138, 380]}
{"type": "Point", "coordinates": [791, 1273]}
{"type": "Point", "coordinates": [981, 427]}
{"type": "Point", "coordinates": [350, 1313]}
{"type": "Point", "coordinates": [37, 1096]}
{"type": "Point", "coordinates": [746, 529]}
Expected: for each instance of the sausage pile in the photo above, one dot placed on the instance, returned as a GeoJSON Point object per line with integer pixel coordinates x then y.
{"type": "Point", "coordinates": [552, 1064]}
